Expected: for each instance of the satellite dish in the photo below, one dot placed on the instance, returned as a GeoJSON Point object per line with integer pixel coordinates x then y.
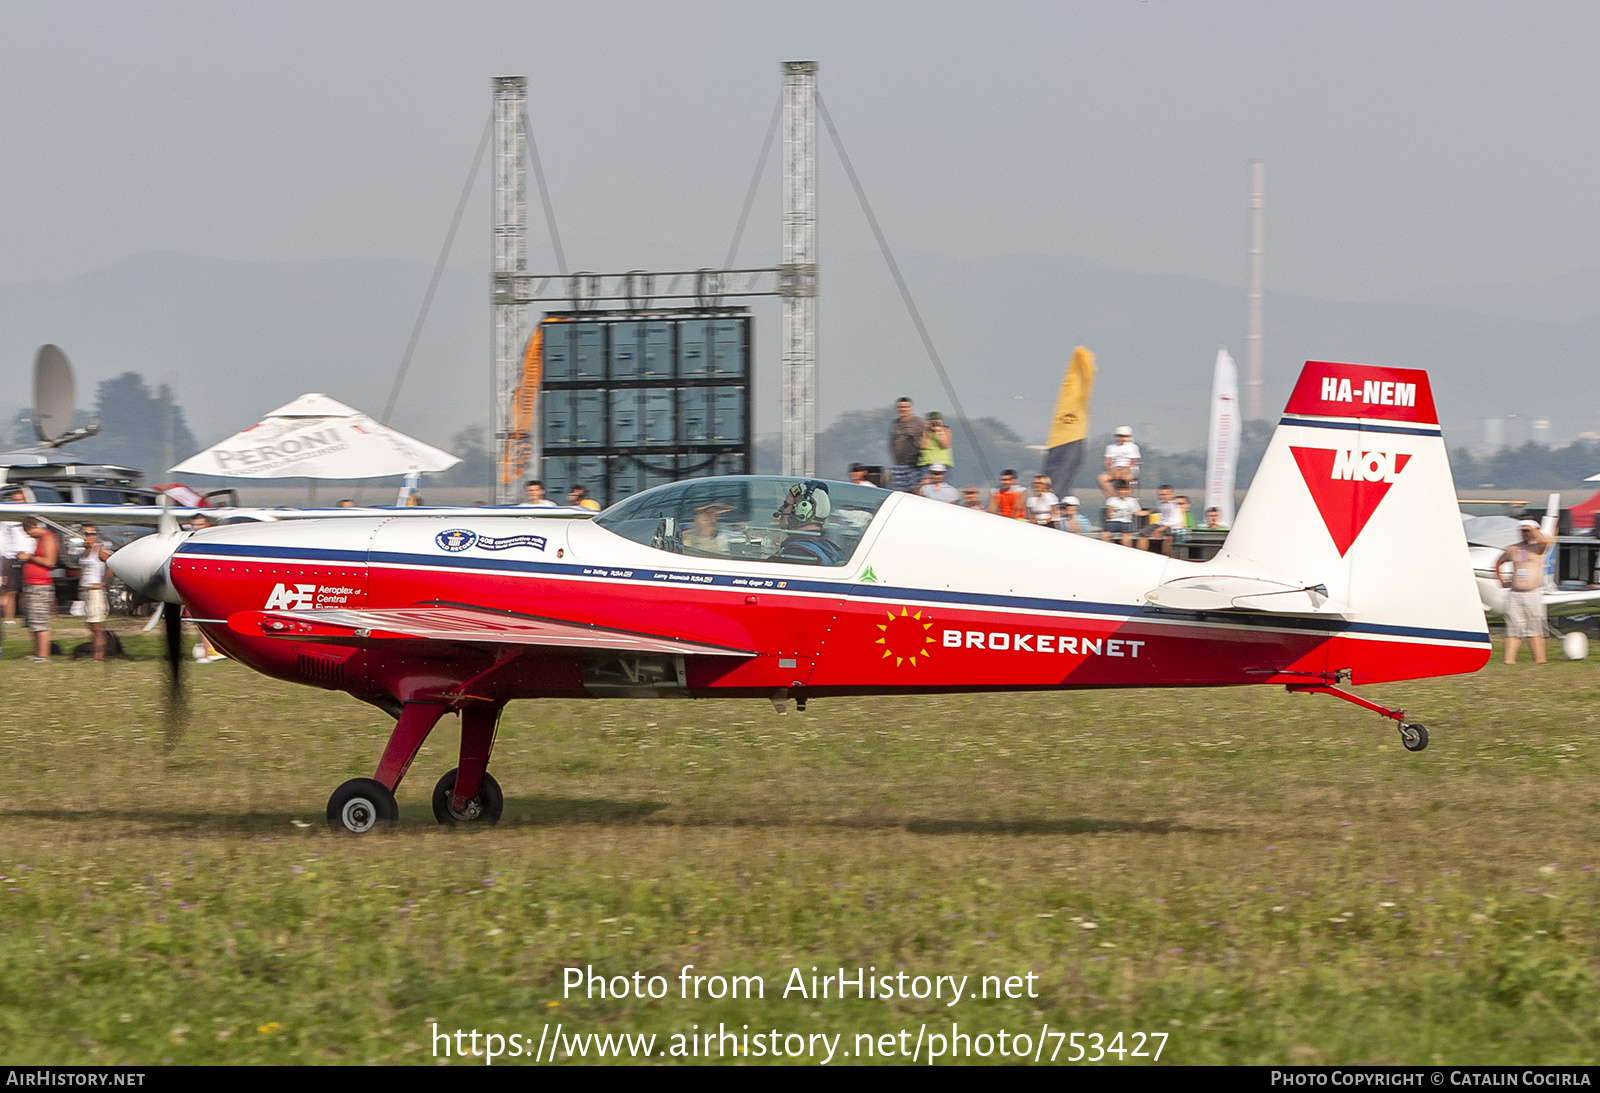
{"type": "Point", "coordinates": [54, 393]}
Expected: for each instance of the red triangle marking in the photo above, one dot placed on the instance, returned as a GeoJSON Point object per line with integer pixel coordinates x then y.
{"type": "Point", "coordinates": [1346, 504]}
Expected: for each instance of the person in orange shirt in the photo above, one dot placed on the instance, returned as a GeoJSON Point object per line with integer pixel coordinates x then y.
{"type": "Point", "coordinates": [1010, 499]}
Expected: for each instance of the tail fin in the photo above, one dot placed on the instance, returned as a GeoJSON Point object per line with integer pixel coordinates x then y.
{"type": "Point", "coordinates": [1355, 494]}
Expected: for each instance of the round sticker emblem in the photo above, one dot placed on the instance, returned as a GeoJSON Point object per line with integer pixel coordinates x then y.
{"type": "Point", "coordinates": [456, 539]}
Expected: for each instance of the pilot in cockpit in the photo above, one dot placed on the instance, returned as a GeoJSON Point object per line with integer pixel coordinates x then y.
{"type": "Point", "coordinates": [803, 514]}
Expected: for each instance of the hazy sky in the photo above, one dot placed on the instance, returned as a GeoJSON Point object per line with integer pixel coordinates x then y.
{"type": "Point", "coordinates": [1407, 145]}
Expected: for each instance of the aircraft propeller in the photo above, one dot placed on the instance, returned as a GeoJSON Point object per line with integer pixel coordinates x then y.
{"type": "Point", "coordinates": [143, 565]}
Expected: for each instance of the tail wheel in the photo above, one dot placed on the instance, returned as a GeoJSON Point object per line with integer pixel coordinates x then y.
{"type": "Point", "coordinates": [485, 808]}
{"type": "Point", "coordinates": [1413, 736]}
{"type": "Point", "coordinates": [362, 805]}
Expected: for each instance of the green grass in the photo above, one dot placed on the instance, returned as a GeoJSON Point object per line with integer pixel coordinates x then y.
{"type": "Point", "coordinates": [1267, 878]}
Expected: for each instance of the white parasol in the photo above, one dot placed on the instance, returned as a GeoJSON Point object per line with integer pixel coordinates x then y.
{"type": "Point", "coordinates": [316, 437]}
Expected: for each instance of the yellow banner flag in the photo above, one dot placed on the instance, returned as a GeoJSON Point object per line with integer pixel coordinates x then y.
{"type": "Point", "coordinates": [1071, 420]}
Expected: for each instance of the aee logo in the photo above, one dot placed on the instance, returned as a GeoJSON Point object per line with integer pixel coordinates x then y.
{"type": "Point", "coordinates": [1359, 466]}
{"type": "Point", "coordinates": [1373, 392]}
{"type": "Point", "coordinates": [291, 597]}
{"type": "Point", "coordinates": [1347, 485]}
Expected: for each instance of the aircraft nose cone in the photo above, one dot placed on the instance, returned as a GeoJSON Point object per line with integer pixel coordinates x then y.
{"type": "Point", "coordinates": [143, 566]}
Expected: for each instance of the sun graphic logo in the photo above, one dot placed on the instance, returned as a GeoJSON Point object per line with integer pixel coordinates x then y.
{"type": "Point", "coordinates": [906, 637]}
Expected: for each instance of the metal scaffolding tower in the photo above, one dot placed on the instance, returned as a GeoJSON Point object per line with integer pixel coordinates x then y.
{"type": "Point", "coordinates": [797, 277]}
{"type": "Point", "coordinates": [1254, 409]}
{"type": "Point", "coordinates": [510, 241]}
{"type": "Point", "coordinates": [794, 280]}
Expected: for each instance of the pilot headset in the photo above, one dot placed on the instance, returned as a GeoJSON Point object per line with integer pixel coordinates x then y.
{"type": "Point", "coordinates": [810, 502]}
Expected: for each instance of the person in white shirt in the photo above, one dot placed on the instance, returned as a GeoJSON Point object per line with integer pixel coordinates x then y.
{"type": "Point", "coordinates": [92, 587]}
{"type": "Point", "coordinates": [1121, 460]}
{"type": "Point", "coordinates": [861, 475]}
{"type": "Point", "coordinates": [533, 495]}
{"type": "Point", "coordinates": [1040, 501]}
{"type": "Point", "coordinates": [1122, 513]}
{"type": "Point", "coordinates": [12, 542]}
{"type": "Point", "coordinates": [936, 488]}
{"type": "Point", "coordinates": [1169, 517]}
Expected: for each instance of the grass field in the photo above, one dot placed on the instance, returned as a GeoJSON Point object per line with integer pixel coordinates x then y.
{"type": "Point", "coordinates": [1262, 877]}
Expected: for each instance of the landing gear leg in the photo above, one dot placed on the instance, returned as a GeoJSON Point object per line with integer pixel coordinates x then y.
{"type": "Point", "coordinates": [416, 722]}
{"type": "Point", "coordinates": [366, 804]}
{"type": "Point", "coordinates": [469, 794]}
{"type": "Point", "coordinates": [1412, 735]}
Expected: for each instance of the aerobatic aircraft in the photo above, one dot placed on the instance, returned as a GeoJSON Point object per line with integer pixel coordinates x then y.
{"type": "Point", "coordinates": [1347, 563]}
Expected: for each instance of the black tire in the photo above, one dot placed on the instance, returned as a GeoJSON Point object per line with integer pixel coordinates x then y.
{"type": "Point", "coordinates": [1413, 736]}
{"type": "Point", "coordinates": [485, 808]}
{"type": "Point", "coordinates": [360, 806]}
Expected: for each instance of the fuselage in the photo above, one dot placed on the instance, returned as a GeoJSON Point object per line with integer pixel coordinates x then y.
{"type": "Point", "coordinates": [931, 597]}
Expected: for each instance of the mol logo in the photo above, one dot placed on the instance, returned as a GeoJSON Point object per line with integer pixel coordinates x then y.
{"type": "Point", "coordinates": [1358, 466]}
{"type": "Point", "coordinates": [291, 597]}
{"type": "Point", "coordinates": [1347, 485]}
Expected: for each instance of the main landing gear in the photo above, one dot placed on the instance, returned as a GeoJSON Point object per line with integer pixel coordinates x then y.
{"type": "Point", "coordinates": [1413, 737]}
{"type": "Point", "coordinates": [360, 805]}
{"type": "Point", "coordinates": [484, 808]}
{"type": "Point", "coordinates": [467, 795]}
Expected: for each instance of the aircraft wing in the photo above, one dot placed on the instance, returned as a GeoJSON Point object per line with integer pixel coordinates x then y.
{"type": "Point", "coordinates": [459, 623]}
{"type": "Point", "coordinates": [150, 515]}
{"type": "Point", "coordinates": [1558, 602]}
{"type": "Point", "coordinates": [1222, 593]}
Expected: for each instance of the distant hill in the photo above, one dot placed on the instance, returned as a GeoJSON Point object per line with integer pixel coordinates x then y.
{"type": "Point", "coordinates": [233, 339]}
{"type": "Point", "coordinates": [1006, 327]}
{"type": "Point", "coordinates": [1570, 298]}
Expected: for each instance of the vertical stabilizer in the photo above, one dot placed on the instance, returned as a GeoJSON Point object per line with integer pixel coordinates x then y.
{"type": "Point", "coordinates": [1355, 494]}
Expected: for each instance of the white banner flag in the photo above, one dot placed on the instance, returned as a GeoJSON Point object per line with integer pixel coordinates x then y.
{"type": "Point", "coordinates": [1222, 448]}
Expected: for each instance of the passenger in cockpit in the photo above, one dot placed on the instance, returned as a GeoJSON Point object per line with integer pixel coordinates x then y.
{"type": "Point", "coordinates": [708, 536]}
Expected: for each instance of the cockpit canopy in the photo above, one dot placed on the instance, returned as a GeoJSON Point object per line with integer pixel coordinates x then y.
{"type": "Point", "coordinates": [805, 521]}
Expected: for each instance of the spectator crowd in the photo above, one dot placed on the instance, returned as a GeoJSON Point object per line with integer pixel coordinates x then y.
{"type": "Point", "coordinates": [922, 461]}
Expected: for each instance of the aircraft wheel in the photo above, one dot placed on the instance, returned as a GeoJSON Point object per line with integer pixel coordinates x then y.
{"type": "Point", "coordinates": [1413, 736]}
{"type": "Point", "coordinates": [485, 808]}
{"type": "Point", "coordinates": [361, 805]}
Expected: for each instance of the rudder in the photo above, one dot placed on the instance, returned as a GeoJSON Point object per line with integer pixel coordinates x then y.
{"type": "Point", "coordinates": [1355, 494]}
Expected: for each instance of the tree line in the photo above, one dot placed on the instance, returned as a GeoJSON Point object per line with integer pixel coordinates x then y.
{"type": "Point", "coordinates": [1532, 466]}
{"type": "Point", "coordinates": [140, 427]}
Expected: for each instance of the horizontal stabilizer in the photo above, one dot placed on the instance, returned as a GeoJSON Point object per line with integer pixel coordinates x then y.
{"type": "Point", "coordinates": [458, 624]}
{"type": "Point", "coordinates": [1223, 593]}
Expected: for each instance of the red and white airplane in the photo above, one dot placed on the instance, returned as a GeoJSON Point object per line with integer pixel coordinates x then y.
{"type": "Point", "coordinates": [1347, 563]}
